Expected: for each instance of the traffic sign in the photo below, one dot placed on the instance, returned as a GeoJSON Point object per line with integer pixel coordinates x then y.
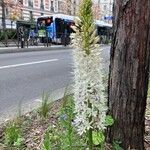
{"type": "Point", "coordinates": [108, 17]}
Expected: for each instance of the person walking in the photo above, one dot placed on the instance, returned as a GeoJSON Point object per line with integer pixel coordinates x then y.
{"type": "Point", "coordinates": [32, 37]}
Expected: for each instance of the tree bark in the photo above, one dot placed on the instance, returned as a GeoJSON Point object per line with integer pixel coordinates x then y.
{"type": "Point", "coordinates": [3, 15]}
{"type": "Point", "coordinates": [129, 72]}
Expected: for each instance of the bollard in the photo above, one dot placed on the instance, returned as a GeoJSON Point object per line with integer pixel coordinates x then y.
{"type": "Point", "coordinates": [47, 42]}
{"type": "Point", "coordinates": [22, 42]}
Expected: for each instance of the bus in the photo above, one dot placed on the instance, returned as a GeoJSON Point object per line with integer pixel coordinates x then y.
{"type": "Point", "coordinates": [104, 30]}
{"type": "Point", "coordinates": [57, 28]}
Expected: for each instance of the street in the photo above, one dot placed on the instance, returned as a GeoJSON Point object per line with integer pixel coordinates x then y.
{"type": "Point", "coordinates": [25, 76]}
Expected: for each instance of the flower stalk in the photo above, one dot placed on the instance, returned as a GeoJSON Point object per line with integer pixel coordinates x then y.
{"type": "Point", "coordinates": [90, 130]}
{"type": "Point", "coordinates": [90, 100]}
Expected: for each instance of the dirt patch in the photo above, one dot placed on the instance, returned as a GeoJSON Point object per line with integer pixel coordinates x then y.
{"type": "Point", "coordinates": [33, 128]}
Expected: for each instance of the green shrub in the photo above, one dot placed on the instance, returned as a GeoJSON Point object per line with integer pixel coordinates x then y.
{"type": "Point", "coordinates": [2, 36]}
{"type": "Point", "coordinates": [9, 34]}
{"type": "Point", "coordinates": [13, 135]}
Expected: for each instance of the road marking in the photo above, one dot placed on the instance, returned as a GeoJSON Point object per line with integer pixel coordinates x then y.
{"type": "Point", "coordinates": [26, 64]}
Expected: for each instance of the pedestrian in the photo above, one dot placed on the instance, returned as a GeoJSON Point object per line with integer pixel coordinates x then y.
{"type": "Point", "coordinates": [31, 36]}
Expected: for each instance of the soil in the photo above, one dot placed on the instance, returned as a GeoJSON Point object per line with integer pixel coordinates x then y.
{"type": "Point", "coordinates": [34, 128]}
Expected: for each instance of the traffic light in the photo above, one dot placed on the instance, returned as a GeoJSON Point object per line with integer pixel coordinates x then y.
{"type": "Point", "coordinates": [49, 21]}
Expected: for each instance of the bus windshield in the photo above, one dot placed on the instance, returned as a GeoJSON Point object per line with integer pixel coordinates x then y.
{"type": "Point", "coordinates": [42, 24]}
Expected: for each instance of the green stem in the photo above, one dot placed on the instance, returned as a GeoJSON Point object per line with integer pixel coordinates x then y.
{"type": "Point", "coordinates": [70, 133]}
{"type": "Point", "coordinates": [90, 130]}
{"type": "Point", "coordinates": [90, 139]}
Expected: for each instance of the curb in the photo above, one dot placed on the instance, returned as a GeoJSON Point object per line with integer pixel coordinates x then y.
{"type": "Point", "coordinates": [35, 49]}
{"type": "Point", "coordinates": [33, 104]}
{"type": "Point", "coordinates": [31, 49]}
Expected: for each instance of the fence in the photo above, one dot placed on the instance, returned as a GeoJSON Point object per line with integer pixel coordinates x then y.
{"type": "Point", "coordinates": [18, 38]}
{"type": "Point", "coordinates": [8, 37]}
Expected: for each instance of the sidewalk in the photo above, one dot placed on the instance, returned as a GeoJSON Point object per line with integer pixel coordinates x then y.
{"type": "Point", "coordinates": [32, 48]}
{"type": "Point", "coordinates": [36, 48]}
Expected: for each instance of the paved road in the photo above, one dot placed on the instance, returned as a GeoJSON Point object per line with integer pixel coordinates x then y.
{"type": "Point", "coordinates": [24, 76]}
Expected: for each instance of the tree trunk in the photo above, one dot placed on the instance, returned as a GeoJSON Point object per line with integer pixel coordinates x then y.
{"type": "Point", "coordinates": [129, 72]}
{"type": "Point", "coordinates": [3, 15]}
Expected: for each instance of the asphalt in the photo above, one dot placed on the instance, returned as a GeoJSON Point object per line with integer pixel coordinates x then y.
{"type": "Point", "coordinates": [25, 76]}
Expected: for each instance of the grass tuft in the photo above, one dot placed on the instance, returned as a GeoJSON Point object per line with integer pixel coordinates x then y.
{"type": "Point", "coordinates": [13, 135]}
{"type": "Point", "coordinates": [44, 109]}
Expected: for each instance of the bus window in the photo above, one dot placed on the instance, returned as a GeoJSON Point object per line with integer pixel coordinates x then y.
{"type": "Point", "coordinates": [70, 30]}
{"type": "Point", "coordinates": [43, 24]}
{"type": "Point", "coordinates": [60, 25]}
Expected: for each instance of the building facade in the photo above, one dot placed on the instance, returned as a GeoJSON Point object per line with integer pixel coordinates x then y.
{"type": "Point", "coordinates": [106, 10]}
{"type": "Point", "coordinates": [31, 9]}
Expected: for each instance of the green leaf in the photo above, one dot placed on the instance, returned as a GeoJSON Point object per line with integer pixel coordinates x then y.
{"type": "Point", "coordinates": [46, 142]}
{"type": "Point", "coordinates": [18, 142]}
{"type": "Point", "coordinates": [98, 137]}
{"type": "Point", "coordinates": [116, 146]}
{"type": "Point", "coordinates": [109, 121]}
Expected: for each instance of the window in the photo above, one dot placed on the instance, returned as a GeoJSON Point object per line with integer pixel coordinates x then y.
{"type": "Point", "coordinates": [42, 5]}
{"type": "Point", "coordinates": [21, 2]}
{"type": "Point", "coordinates": [6, 11]}
{"type": "Point", "coordinates": [41, 24]}
{"type": "Point", "coordinates": [59, 27]}
{"type": "Point", "coordinates": [30, 3]}
{"type": "Point", "coordinates": [21, 14]}
{"type": "Point", "coordinates": [56, 6]}
{"type": "Point", "coordinates": [59, 5]}
{"type": "Point", "coordinates": [31, 15]}
{"type": "Point", "coordinates": [52, 6]}
{"type": "Point", "coordinates": [42, 14]}
{"type": "Point", "coordinates": [105, 7]}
